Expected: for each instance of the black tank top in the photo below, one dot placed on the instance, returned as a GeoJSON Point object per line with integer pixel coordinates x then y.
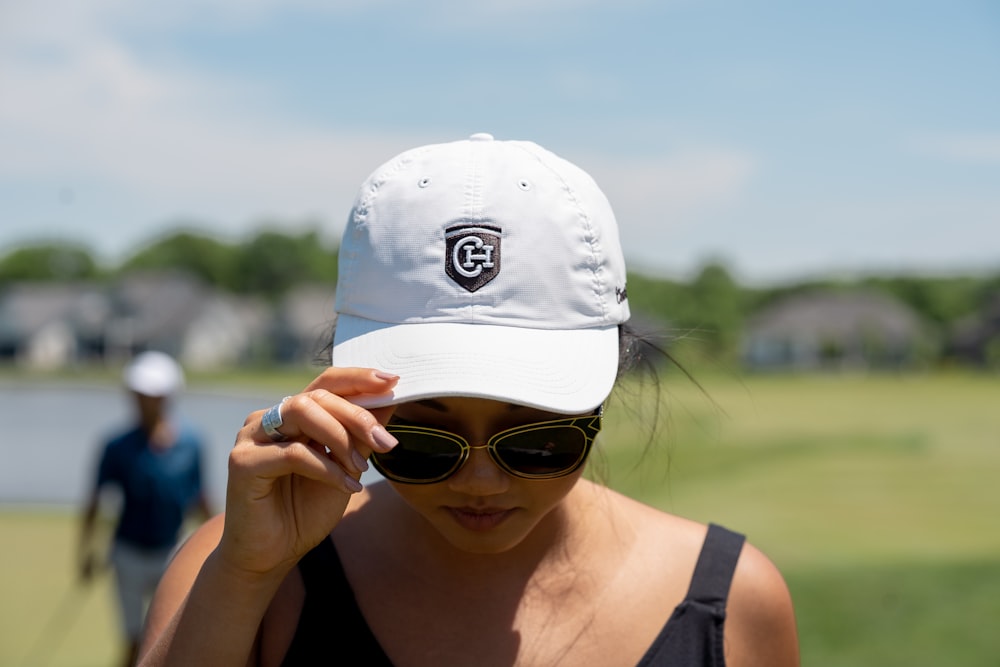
{"type": "Point", "coordinates": [691, 637]}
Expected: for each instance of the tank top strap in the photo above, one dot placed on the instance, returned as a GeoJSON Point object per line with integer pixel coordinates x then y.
{"type": "Point", "coordinates": [713, 572]}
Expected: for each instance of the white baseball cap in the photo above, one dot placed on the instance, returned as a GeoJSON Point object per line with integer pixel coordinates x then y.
{"type": "Point", "coordinates": [153, 374]}
{"type": "Point", "coordinates": [483, 268]}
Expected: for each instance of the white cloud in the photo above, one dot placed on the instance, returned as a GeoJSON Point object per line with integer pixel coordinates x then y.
{"type": "Point", "coordinates": [665, 205]}
{"type": "Point", "coordinates": [672, 191]}
{"type": "Point", "coordinates": [924, 231]}
{"type": "Point", "coordinates": [85, 110]}
{"type": "Point", "coordinates": [81, 111]}
{"type": "Point", "coordinates": [70, 18]}
{"type": "Point", "coordinates": [983, 147]}
{"type": "Point", "coordinates": [139, 144]}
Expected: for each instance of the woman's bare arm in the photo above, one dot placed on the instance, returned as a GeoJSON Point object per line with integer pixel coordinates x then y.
{"type": "Point", "coordinates": [215, 609]}
{"type": "Point", "coordinates": [760, 620]}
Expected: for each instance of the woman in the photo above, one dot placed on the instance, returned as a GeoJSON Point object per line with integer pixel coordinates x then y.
{"type": "Point", "coordinates": [480, 298]}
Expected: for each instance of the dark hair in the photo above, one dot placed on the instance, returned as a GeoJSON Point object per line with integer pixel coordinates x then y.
{"type": "Point", "coordinates": [645, 354]}
{"type": "Point", "coordinates": [643, 358]}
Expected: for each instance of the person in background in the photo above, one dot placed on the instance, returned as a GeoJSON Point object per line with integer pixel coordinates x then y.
{"type": "Point", "coordinates": [481, 326]}
{"type": "Point", "coordinates": [156, 465]}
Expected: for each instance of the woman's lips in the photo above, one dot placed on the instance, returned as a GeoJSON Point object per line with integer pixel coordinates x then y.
{"type": "Point", "coordinates": [479, 518]}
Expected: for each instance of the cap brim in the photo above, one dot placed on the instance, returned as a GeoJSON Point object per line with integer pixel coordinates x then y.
{"type": "Point", "coordinates": [565, 371]}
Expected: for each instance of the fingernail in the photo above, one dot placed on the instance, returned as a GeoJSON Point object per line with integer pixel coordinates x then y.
{"type": "Point", "coordinates": [353, 485]}
{"type": "Point", "coordinates": [359, 462]}
{"type": "Point", "coordinates": [382, 375]}
{"type": "Point", "coordinates": [384, 441]}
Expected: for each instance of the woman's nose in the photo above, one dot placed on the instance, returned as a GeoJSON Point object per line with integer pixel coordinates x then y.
{"type": "Point", "coordinates": [480, 475]}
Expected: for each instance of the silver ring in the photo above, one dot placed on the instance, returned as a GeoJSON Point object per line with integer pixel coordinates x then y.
{"type": "Point", "coordinates": [271, 422]}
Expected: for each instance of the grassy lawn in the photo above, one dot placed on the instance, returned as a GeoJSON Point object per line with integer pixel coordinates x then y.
{"type": "Point", "coordinates": [46, 617]}
{"type": "Point", "coordinates": [876, 496]}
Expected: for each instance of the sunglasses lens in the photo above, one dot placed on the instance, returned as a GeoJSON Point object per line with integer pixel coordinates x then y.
{"type": "Point", "coordinates": [418, 456]}
{"type": "Point", "coordinates": [544, 451]}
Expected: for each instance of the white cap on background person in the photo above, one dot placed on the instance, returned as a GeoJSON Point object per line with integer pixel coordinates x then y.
{"type": "Point", "coordinates": [153, 374]}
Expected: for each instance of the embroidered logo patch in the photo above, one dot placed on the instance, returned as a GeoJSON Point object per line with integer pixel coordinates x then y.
{"type": "Point", "coordinates": [472, 256]}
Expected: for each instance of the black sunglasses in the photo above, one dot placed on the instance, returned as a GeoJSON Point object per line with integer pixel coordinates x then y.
{"type": "Point", "coordinates": [542, 450]}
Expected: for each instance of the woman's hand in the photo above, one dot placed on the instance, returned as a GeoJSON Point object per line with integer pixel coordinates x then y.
{"type": "Point", "coordinates": [283, 498]}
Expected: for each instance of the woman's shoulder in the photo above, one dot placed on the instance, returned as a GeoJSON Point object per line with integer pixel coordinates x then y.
{"type": "Point", "coordinates": [760, 621]}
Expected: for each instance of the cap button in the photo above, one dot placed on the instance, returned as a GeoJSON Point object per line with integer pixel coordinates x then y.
{"type": "Point", "coordinates": [481, 136]}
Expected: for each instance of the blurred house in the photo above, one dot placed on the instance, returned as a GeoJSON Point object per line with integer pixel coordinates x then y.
{"type": "Point", "coordinates": [833, 330]}
{"type": "Point", "coordinates": [51, 325]}
{"type": "Point", "coordinates": [175, 313]}
{"type": "Point", "coordinates": [976, 339]}
{"type": "Point", "coordinates": [303, 327]}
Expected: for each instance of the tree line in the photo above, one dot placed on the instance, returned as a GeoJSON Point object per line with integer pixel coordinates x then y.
{"type": "Point", "coordinates": [267, 264]}
{"type": "Point", "coordinates": [709, 308]}
{"type": "Point", "coordinates": [712, 308]}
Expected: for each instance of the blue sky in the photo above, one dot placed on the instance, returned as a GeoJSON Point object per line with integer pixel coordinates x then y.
{"type": "Point", "coordinates": [789, 139]}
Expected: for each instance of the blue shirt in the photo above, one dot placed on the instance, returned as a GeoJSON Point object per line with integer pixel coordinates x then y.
{"type": "Point", "coordinates": [159, 486]}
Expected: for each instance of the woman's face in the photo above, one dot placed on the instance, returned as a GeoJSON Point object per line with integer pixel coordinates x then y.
{"type": "Point", "coordinates": [481, 508]}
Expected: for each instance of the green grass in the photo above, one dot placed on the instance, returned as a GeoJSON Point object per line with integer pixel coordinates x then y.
{"type": "Point", "coordinates": [46, 616]}
{"type": "Point", "coordinates": [876, 496]}
{"type": "Point", "coordinates": [902, 614]}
